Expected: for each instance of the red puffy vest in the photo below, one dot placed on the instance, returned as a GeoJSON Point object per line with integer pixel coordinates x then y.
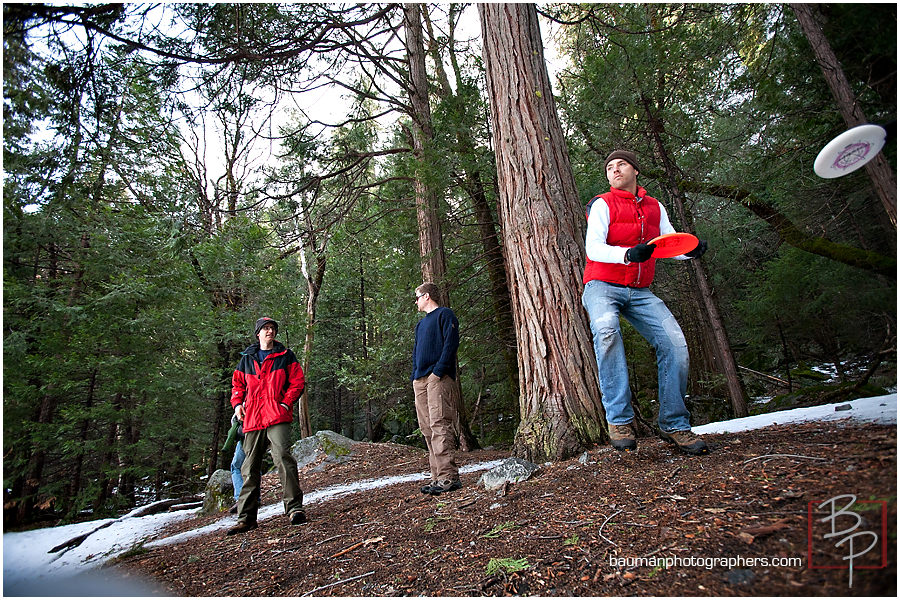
{"type": "Point", "coordinates": [631, 221]}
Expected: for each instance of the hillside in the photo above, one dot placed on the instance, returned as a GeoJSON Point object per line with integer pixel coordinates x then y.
{"type": "Point", "coordinates": [570, 529]}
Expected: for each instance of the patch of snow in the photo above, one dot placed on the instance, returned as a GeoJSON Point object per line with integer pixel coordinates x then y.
{"type": "Point", "coordinates": [332, 491]}
{"type": "Point", "coordinates": [28, 566]}
{"type": "Point", "coordinates": [27, 561]}
{"type": "Point", "coordinates": [761, 399]}
{"type": "Point", "coordinates": [881, 410]}
{"type": "Point", "coordinates": [829, 370]}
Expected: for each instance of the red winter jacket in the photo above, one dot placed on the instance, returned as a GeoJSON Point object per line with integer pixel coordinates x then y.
{"type": "Point", "coordinates": [268, 391]}
{"type": "Point", "coordinates": [631, 221]}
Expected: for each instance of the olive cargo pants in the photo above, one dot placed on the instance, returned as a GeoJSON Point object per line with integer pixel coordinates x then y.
{"type": "Point", "coordinates": [279, 436]}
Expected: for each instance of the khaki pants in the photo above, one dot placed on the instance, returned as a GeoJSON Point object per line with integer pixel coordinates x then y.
{"type": "Point", "coordinates": [255, 446]}
{"type": "Point", "coordinates": [435, 412]}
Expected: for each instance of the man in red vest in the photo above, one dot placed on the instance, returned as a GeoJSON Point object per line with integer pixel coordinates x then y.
{"type": "Point", "coordinates": [617, 276]}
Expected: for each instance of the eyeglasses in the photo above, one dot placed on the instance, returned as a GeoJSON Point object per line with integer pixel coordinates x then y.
{"type": "Point", "coordinates": [418, 295]}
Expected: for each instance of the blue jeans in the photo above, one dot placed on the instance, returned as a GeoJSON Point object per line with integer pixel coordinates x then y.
{"type": "Point", "coordinates": [653, 320]}
{"type": "Point", "coordinates": [236, 463]}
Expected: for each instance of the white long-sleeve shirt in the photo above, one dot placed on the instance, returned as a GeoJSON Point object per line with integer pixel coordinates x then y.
{"type": "Point", "coordinates": [598, 228]}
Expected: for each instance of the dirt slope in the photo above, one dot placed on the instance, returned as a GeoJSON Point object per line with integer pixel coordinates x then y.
{"type": "Point", "coordinates": [576, 529]}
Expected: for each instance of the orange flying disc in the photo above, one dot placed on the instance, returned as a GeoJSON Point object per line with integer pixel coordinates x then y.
{"type": "Point", "coordinates": [673, 244]}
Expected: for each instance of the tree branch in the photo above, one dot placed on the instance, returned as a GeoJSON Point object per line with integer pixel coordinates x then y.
{"type": "Point", "coordinates": [793, 235]}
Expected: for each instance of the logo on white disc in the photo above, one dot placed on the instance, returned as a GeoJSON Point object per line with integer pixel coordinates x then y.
{"type": "Point", "coordinates": [851, 155]}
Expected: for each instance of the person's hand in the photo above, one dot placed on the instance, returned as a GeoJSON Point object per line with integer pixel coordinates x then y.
{"type": "Point", "coordinates": [239, 412]}
{"type": "Point", "coordinates": [639, 253]}
{"type": "Point", "coordinates": [433, 377]}
{"type": "Point", "coordinates": [699, 251]}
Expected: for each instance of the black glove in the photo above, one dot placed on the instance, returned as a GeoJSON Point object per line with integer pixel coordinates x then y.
{"type": "Point", "coordinates": [697, 252]}
{"type": "Point", "coordinates": [639, 253]}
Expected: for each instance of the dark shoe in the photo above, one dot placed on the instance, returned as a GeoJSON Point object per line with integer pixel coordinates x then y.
{"type": "Point", "coordinates": [426, 489]}
{"type": "Point", "coordinates": [298, 517]}
{"type": "Point", "coordinates": [622, 437]}
{"type": "Point", "coordinates": [233, 509]}
{"type": "Point", "coordinates": [687, 441]}
{"type": "Point", "coordinates": [242, 528]}
{"type": "Point", "coordinates": [442, 486]}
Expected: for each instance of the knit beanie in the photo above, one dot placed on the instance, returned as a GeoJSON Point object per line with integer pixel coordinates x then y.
{"type": "Point", "coordinates": [625, 155]}
{"type": "Point", "coordinates": [262, 322]}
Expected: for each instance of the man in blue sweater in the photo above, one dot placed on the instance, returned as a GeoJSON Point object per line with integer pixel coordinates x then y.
{"type": "Point", "coordinates": [433, 376]}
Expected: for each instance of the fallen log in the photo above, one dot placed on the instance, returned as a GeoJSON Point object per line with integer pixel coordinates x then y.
{"type": "Point", "coordinates": [187, 506]}
{"type": "Point", "coordinates": [766, 376]}
{"type": "Point", "coordinates": [141, 511]}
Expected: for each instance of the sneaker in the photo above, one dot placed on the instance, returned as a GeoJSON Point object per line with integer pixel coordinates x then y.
{"type": "Point", "coordinates": [233, 509]}
{"type": "Point", "coordinates": [622, 437]}
{"type": "Point", "coordinates": [687, 441]}
{"type": "Point", "coordinates": [426, 489]}
{"type": "Point", "coordinates": [298, 517]}
{"type": "Point", "coordinates": [242, 528]}
{"type": "Point", "coordinates": [443, 486]}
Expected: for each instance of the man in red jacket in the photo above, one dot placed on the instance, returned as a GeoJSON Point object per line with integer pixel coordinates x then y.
{"type": "Point", "coordinates": [265, 385]}
{"type": "Point", "coordinates": [617, 275]}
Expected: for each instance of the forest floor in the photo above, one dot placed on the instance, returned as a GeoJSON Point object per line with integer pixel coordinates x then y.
{"type": "Point", "coordinates": [598, 525]}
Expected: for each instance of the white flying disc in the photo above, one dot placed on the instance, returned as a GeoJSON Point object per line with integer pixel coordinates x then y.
{"type": "Point", "coordinates": [849, 151]}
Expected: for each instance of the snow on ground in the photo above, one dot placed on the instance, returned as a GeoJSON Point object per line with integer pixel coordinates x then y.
{"type": "Point", "coordinates": [881, 410]}
{"type": "Point", "coordinates": [30, 570]}
{"type": "Point", "coordinates": [332, 491]}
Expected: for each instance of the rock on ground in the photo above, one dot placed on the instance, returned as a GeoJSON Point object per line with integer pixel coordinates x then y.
{"type": "Point", "coordinates": [330, 447]}
{"type": "Point", "coordinates": [219, 493]}
{"type": "Point", "coordinates": [512, 470]}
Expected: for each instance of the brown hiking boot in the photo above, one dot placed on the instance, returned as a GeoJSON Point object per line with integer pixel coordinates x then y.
{"type": "Point", "coordinates": [687, 441]}
{"type": "Point", "coordinates": [622, 437]}
{"type": "Point", "coordinates": [242, 528]}
{"type": "Point", "coordinates": [298, 517]}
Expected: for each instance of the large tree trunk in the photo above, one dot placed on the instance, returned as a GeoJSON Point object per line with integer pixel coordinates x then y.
{"type": "Point", "coordinates": [543, 237]}
{"type": "Point", "coordinates": [431, 241]}
{"type": "Point", "coordinates": [880, 172]}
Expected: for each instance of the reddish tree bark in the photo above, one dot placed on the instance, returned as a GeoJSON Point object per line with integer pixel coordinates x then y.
{"type": "Point", "coordinates": [544, 241]}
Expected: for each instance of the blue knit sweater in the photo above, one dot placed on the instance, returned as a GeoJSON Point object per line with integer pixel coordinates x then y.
{"type": "Point", "coordinates": [437, 339]}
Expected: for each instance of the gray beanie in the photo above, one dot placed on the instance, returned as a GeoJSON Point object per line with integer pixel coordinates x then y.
{"type": "Point", "coordinates": [262, 322]}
